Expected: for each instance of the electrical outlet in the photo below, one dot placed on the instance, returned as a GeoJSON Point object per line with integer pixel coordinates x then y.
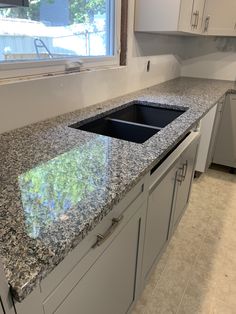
{"type": "Point", "coordinates": [148, 65]}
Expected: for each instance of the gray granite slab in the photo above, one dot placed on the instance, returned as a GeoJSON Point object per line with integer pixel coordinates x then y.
{"type": "Point", "coordinates": [51, 175]}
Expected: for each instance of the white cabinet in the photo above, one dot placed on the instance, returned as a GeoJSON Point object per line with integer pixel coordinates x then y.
{"type": "Point", "coordinates": [105, 274]}
{"type": "Point", "coordinates": [109, 285]}
{"type": "Point", "coordinates": [101, 275]}
{"type": "Point", "coordinates": [206, 131]}
{"type": "Point", "coordinates": [220, 18]}
{"type": "Point", "coordinates": [205, 17]}
{"type": "Point", "coordinates": [170, 16]}
{"type": "Point", "coordinates": [168, 198]}
{"type": "Point", "coordinates": [184, 176]}
{"type": "Point", "coordinates": [225, 146]}
{"type": "Point", "coordinates": [197, 15]}
{"type": "Point", "coordinates": [160, 200]}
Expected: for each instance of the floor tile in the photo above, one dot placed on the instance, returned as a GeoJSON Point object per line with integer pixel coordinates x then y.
{"type": "Point", "coordinates": [219, 307]}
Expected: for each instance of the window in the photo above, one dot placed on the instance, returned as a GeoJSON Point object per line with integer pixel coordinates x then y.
{"type": "Point", "coordinates": [49, 32]}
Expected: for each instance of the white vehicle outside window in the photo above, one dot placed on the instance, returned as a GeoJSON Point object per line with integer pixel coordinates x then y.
{"type": "Point", "coordinates": [51, 35]}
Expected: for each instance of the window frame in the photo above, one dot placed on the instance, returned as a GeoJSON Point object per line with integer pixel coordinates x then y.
{"type": "Point", "coordinates": [15, 69]}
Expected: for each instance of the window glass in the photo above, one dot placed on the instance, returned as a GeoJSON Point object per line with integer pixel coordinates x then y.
{"type": "Point", "coordinates": [50, 29]}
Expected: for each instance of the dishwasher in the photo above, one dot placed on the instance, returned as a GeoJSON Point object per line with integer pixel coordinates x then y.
{"type": "Point", "coordinates": [225, 145]}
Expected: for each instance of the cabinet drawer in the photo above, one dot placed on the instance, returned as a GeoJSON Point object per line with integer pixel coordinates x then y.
{"type": "Point", "coordinates": [88, 253]}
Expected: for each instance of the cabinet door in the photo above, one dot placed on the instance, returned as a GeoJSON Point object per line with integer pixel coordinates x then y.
{"type": "Point", "coordinates": [158, 218]}
{"type": "Point", "coordinates": [186, 20]}
{"type": "Point", "coordinates": [191, 15]}
{"type": "Point", "coordinates": [220, 18]}
{"type": "Point", "coordinates": [109, 285]}
{"type": "Point", "coordinates": [157, 15]}
{"type": "Point", "coordinates": [206, 130]}
{"type": "Point", "coordinates": [197, 16]}
{"type": "Point", "coordinates": [225, 150]}
{"type": "Point", "coordinates": [184, 177]}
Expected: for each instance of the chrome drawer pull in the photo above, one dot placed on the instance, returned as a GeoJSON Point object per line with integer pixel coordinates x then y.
{"type": "Point", "coordinates": [197, 19]}
{"type": "Point", "coordinates": [185, 169]}
{"type": "Point", "coordinates": [179, 175]}
{"type": "Point", "coordinates": [101, 238]}
{"type": "Point", "coordinates": [207, 21]}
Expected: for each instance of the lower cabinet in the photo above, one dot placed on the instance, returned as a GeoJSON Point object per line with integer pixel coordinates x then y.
{"type": "Point", "coordinates": [225, 146]}
{"type": "Point", "coordinates": [158, 217]}
{"type": "Point", "coordinates": [168, 199]}
{"type": "Point", "coordinates": [105, 274]}
{"type": "Point", "coordinates": [184, 176]}
{"type": "Point", "coordinates": [109, 285]}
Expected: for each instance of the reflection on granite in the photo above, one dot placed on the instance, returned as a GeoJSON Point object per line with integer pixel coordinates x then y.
{"type": "Point", "coordinates": [57, 183]}
{"type": "Point", "coordinates": [50, 190]}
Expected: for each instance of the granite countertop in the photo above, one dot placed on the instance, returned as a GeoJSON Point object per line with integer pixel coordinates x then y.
{"type": "Point", "coordinates": [51, 174]}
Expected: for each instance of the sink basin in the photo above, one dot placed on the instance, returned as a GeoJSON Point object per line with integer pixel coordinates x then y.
{"type": "Point", "coordinates": [134, 123]}
{"type": "Point", "coordinates": [147, 114]}
{"type": "Point", "coordinates": [119, 129]}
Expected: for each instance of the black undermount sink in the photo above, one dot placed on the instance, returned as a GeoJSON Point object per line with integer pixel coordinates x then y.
{"type": "Point", "coordinates": [134, 123]}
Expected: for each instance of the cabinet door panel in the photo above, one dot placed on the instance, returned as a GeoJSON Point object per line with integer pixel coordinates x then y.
{"type": "Point", "coordinates": [221, 17]}
{"type": "Point", "coordinates": [158, 218]}
{"type": "Point", "coordinates": [109, 285]}
{"type": "Point", "coordinates": [198, 9]}
{"type": "Point", "coordinates": [157, 15]}
{"type": "Point", "coordinates": [184, 178]}
{"type": "Point", "coordinates": [186, 19]}
{"type": "Point", "coordinates": [225, 150]}
{"type": "Point", "coordinates": [191, 16]}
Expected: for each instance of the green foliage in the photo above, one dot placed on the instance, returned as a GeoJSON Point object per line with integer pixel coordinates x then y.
{"type": "Point", "coordinates": [55, 188]}
{"type": "Point", "coordinates": [81, 11]}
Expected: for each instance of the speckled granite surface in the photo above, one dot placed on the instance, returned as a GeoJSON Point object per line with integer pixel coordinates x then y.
{"type": "Point", "coordinates": [51, 174]}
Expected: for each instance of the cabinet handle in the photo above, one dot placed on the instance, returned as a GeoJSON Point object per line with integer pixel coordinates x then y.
{"type": "Point", "coordinates": [185, 169]}
{"type": "Point", "coordinates": [101, 238]}
{"type": "Point", "coordinates": [207, 21]}
{"type": "Point", "coordinates": [179, 175]}
{"type": "Point", "coordinates": [197, 19]}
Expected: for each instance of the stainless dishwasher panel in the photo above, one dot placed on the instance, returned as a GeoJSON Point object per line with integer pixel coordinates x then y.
{"type": "Point", "coordinates": [225, 148]}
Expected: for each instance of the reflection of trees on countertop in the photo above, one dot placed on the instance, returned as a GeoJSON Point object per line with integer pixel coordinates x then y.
{"type": "Point", "coordinates": [50, 190]}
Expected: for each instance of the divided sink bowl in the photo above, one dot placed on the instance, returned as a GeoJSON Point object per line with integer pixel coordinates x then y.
{"type": "Point", "coordinates": [135, 123]}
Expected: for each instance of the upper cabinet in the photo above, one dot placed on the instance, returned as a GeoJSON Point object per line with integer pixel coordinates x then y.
{"type": "Point", "coordinates": [169, 16]}
{"type": "Point", "coordinates": [220, 18]}
{"type": "Point", "coordinates": [202, 17]}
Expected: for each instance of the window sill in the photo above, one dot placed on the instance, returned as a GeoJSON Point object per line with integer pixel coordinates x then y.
{"type": "Point", "coordinates": [83, 71]}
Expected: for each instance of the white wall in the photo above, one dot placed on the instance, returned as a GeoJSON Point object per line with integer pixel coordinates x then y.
{"type": "Point", "coordinates": [209, 57]}
{"type": "Point", "coordinates": [219, 65]}
{"type": "Point", "coordinates": [23, 103]}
